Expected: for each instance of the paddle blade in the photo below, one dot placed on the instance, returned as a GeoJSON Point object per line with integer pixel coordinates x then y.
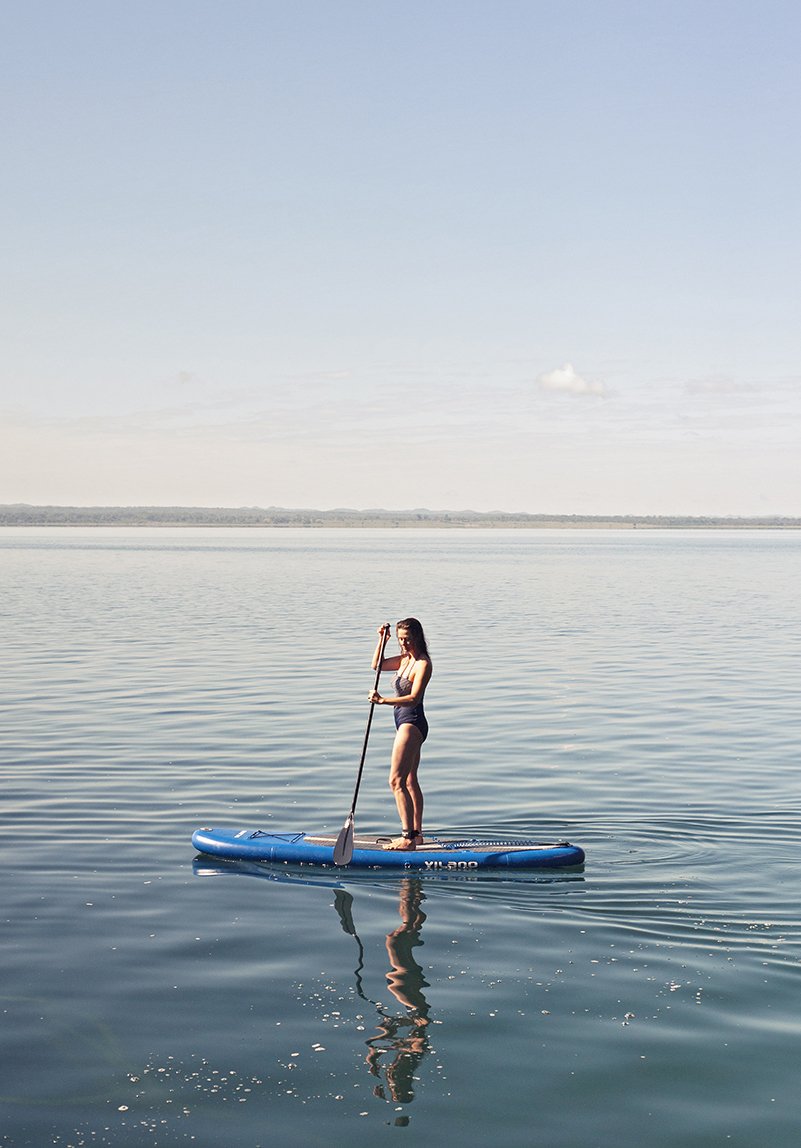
{"type": "Point", "coordinates": [343, 850]}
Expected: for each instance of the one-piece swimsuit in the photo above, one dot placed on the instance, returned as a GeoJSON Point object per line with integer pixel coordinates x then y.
{"type": "Point", "coordinates": [409, 715]}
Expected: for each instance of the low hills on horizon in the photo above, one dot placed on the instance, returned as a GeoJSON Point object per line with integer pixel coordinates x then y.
{"type": "Point", "coordinates": [22, 514]}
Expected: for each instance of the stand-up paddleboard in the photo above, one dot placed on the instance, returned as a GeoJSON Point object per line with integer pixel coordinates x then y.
{"type": "Point", "coordinates": [435, 855]}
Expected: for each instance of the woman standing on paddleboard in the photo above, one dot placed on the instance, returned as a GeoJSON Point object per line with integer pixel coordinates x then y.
{"type": "Point", "coordinates": [412, 674]}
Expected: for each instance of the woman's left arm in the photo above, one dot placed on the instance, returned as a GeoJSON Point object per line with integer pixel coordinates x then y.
{"type": "Point", "coordinates": [421, 675]}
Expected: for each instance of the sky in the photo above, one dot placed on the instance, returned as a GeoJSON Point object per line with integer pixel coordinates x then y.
{"type": "Point", "coordinates": [520, 255]}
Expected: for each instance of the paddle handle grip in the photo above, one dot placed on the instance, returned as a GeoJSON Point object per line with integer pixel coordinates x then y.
{"type": "Point", "coordinates": [385, 632]}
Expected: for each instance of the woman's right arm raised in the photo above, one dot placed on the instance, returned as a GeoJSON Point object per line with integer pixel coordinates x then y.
{"type": "Point", "coordinates": [387, 663]}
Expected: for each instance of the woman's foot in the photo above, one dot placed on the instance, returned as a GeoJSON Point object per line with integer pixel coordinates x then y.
{"type": "Point", "coordinates": [407, 840]}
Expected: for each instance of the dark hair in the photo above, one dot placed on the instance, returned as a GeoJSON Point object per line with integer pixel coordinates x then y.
{"type": "Point", "coordinates": [415, 631]}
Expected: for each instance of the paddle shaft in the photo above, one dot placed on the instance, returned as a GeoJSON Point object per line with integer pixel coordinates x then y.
{"type": "Point", "coordinates": [369, 722]}
{"type": "Point", "coordinates": [343, 849]}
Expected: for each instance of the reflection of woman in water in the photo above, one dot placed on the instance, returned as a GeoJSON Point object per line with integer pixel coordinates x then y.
{"type": "Point", "coordinates": [407, 1035]}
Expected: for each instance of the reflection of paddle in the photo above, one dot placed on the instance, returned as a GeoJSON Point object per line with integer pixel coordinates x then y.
{"type": "Point", "coordinates": [343, 903]}
{"type": "Point", "coordinates": [405, 979]}
{"type": "Point", "coordinates": [343, 850]}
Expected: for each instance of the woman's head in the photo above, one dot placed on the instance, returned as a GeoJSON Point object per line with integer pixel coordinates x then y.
{"type": "Point", "coordinates": [413, 631]}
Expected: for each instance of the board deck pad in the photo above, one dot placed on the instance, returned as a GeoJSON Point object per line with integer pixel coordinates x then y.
{"type": "Point", "coordinates": [436, 853]}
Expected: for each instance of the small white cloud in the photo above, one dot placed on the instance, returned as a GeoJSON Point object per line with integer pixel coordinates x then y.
{"type": "Point", "coordinates": [565, 379]}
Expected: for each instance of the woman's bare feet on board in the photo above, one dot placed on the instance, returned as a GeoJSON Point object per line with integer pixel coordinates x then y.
{"type": "Point", "coordinates": [406, 841]}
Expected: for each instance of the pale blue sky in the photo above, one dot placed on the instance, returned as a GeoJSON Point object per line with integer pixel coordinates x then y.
{"type": "Point", "coordinates": [538, 256]}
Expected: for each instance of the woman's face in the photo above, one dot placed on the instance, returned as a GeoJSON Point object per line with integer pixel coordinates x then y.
{"type": "Point", "coordinates": [404, 641]}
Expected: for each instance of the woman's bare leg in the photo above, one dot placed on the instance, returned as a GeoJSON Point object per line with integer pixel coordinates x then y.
{"type": "Point", "coordinates": [404, 784]}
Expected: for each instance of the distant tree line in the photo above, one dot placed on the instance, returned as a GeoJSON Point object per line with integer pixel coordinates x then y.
{"type": "Point", "coordinates": [24, 515]}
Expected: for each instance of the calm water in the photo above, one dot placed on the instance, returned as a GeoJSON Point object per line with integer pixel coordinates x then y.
{"type": "Point", "coordinates": [637, 693]}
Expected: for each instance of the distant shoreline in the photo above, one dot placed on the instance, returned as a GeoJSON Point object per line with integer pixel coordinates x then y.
{"type": "Point", "coordinates": [140, 516]}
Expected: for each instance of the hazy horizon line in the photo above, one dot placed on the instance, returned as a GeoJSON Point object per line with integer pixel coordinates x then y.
{"type": "Point", "coordinates": [15, 514]}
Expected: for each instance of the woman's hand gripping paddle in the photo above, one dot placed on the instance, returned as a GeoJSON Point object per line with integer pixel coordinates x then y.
{"type": "Point", "coordinates": [343, 850]}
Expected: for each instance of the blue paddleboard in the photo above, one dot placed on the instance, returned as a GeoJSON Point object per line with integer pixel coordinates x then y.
{"type": "Point", "coordinates": [436, 855]}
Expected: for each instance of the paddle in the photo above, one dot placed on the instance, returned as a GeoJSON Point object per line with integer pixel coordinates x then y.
{"type": "Point", "coordinates": [343, 850]}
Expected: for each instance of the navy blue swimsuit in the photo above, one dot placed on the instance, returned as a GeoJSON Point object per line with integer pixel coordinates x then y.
{"type": "Point", "coordinates": [409, 715]}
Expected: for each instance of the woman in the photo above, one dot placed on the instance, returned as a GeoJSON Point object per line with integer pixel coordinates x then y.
{"type": "Point", "coordinates": [413, 672]}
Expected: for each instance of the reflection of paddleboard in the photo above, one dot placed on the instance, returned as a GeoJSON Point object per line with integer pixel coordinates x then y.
{"type": "Point", "coordinates": [436, 855]}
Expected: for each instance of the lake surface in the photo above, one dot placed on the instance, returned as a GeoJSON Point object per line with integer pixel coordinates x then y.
{"type": "Point", "coordinates": [634, 692]}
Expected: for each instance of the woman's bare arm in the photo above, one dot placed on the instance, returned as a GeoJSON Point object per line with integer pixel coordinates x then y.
{"type": "Point", "coordinates": [387, 663]}
{"type": "Point", "coordinates": [421, 675]}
